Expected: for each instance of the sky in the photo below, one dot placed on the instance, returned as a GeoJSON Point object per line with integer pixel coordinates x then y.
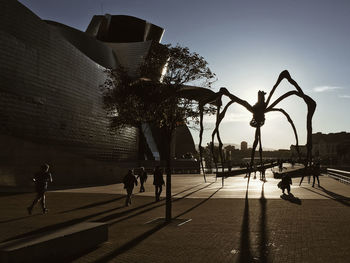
{"type": "Point", "coordinates": [247, 44]}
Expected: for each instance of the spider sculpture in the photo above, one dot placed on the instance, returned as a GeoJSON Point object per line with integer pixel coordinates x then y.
{"type": "Point", "coordinates": [258, 110]}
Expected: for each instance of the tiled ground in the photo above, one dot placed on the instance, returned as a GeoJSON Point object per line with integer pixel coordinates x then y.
{"type": "Point", "coordinates": [228, 224]}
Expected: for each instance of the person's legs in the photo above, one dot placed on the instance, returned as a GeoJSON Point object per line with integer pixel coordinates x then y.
{"type": "Point", "coordinates": [35, 201]}
{"type": "Point", "coordinates": [128, 196]}
{"type": "Point", "coordinates": [160, 191]}
{"type": "Point", "coordinates": [43, 203]}
{"type": "Point", "coordinates": [288, 189]}
{"type": "Point", "coordinates": [156, 192]}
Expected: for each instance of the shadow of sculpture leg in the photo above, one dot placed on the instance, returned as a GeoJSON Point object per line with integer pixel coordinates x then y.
{"type": "Point", "coordinates": [263, 247]}
{"type": "Point", "coordinates": [245, 253]}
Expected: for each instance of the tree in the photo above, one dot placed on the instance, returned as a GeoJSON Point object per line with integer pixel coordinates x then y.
{"type": "Point", "coordinates": [155, 97]}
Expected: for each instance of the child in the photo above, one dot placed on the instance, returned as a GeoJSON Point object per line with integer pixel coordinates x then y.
{"type": "Point", "coordinates": [285, 183]}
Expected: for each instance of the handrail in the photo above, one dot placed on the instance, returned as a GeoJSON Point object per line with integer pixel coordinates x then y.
{"type": "Point", "coordinates": [339, 171]}
{"type": "Point", "coordinates": [339, 175]}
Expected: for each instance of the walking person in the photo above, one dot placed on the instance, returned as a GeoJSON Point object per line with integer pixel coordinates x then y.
{"type": "Point", "coordinates": [158, 182]}
{"type": "Point", "coordinates": [316, 170]}
{"type": "Point", "coordinates": [249, 167]}
{"type": "Point", "coordinates": [255, 168]}
{"type": "Point", "coordinates": [129, 181]}
{"type": "Point", "coordinates": [143, 178]}
{"type": "Point", "coordinates": [306, 172]}
{"type": "Point", "coordinates": [262, 173]}
{"type": "Point", "coordinates": [41, 180]}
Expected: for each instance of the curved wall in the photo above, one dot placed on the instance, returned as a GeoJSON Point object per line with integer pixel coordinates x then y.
{"type": "Point", "coordinates": [91, 47]}
{"type": "Point", "coordinates": [51, 106]}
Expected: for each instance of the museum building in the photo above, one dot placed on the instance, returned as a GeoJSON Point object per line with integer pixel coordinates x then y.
{"type": "Point", "coordinates": [52, 103]}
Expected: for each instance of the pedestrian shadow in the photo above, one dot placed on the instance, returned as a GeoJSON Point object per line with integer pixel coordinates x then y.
{"type": "Point", "coordinates": [335, 195]}
{"type": "Point", "coordinates": [93, 205]}
{"type": "Point", "coordinates": [131, 244]}
{"type": "Point", "coordinates": [199, 204]}
{"type": "Point", "coordinates": [17, 219]}
{"type": "Point", "coordinates": [331, 195]}
{"type": "Point", "coordinates": [113, 200]}
{"type": "Point", "coordinates": [91, 216]}
{"type": "Point", "coordinates": [291, 198]}
{"type": "Point", "coordinates": [44, 230]}
{"type": "Point", "coordinates": [118, 215]}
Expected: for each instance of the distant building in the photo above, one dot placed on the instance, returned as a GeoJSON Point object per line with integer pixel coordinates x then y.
{"type": "Point", "coordinates": [244, 146]}
{"type": "Point", "coordinates": [333, 146]}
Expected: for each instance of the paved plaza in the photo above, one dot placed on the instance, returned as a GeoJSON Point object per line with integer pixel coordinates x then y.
{"type": "Point", "coordinates": [211, 223]}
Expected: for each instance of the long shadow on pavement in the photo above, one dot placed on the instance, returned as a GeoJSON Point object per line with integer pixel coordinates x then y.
{"type": "Point", "coordinates": [56, 226]}
{"type": "Point", "coordinates": [134, 242]}
{"type": "Point", "coordinates": [245, 253]}
{"type": "Point", "coordinates": [16, 219]}
{"type": "Point", "coordinates": [245, 242]}
{"type": "Point", "coordinates": [53, 227]}
{"type": "Point", "coordinates": [199, 204]}
{"type": "Point", "coordinates": [118, 215]}
{"type": "Point", "coordinates": [263, 247]}
{"type": "Point", "coordinates": [331, 195]}
{"type": "Point", "coordinates": [93, 205]}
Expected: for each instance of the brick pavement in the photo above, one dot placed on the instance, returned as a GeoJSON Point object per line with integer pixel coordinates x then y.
{"type": "Point", "coordinates": [253, 229]}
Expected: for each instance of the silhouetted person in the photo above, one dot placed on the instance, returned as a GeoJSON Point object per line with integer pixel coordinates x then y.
{"type": "Point", "coordinates": [285, 183]}
{"type": "Point", "coordinates": [158, 182]}
{"type": "Point", "coordinates": [262, 173]}
{"type": "Point", "coordinates": [143, 178]}
{"type": "Point", "coordinates": [129, 181]}
{"type": "Point", "coordinates": [280, 166]}
{"type": "Point", "coordinates": [293, 163]}
{"type": "Point", "coordinates": [316, 170]}
{"type": "Point", "coordinates": [306, 172]}
{"type": "Point", "coordinates": [41, 180]}
{"type": "Point", "coordinates": [249, 168]}
{"type": "Point", "coordinates": [255, 168]}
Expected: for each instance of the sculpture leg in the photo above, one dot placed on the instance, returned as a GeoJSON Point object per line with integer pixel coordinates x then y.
{"type": "Point", "coordinates": [260, 154]}
{"type": "Point", "coordinates": [257, 132]}
{"type": "Point", "coordinates": [200, 141]}
{"type": "Point", "coordinates": [213, 136]}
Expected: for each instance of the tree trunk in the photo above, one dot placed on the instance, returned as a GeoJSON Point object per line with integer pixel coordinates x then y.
{"type": "Point", "coordinates": [168, 201]}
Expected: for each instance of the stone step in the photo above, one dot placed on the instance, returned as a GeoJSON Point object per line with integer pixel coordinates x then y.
{"type": "Point", "coordinates": [53, 245]}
